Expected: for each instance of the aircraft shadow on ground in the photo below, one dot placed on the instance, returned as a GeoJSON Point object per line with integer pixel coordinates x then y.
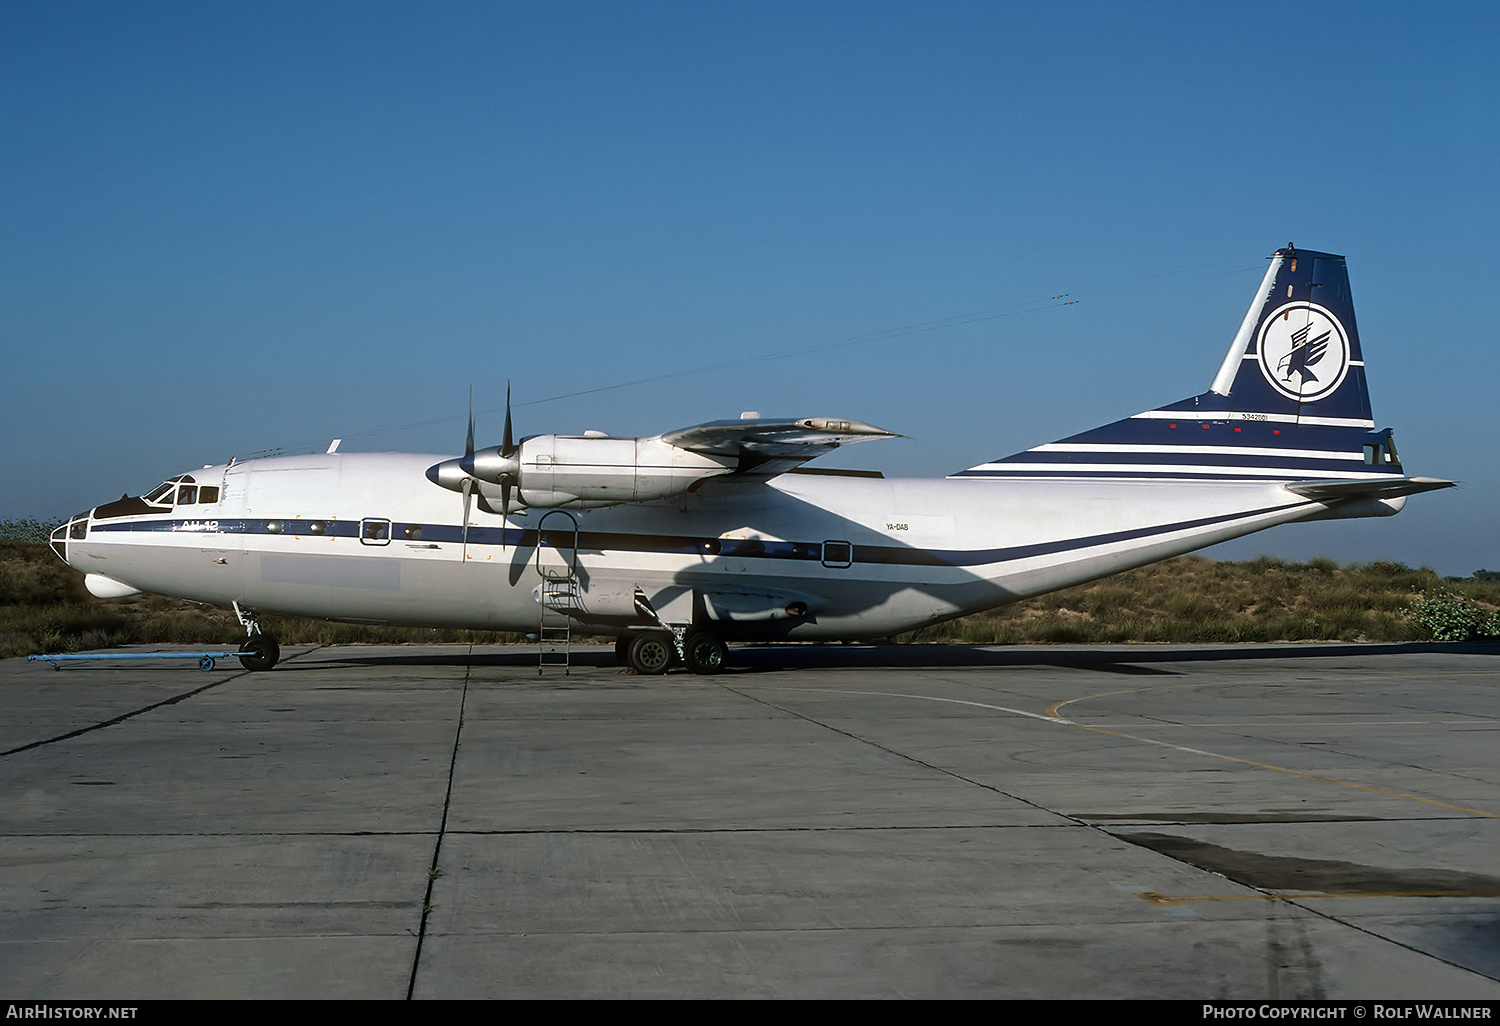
{"type": "Point", "coordinates": [750, 659]}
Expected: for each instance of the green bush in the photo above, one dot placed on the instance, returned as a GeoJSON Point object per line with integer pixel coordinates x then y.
{"type": "Point", "coordinates": [1449, 616]}
{"type": "Point", "coordinates": [27, 529]}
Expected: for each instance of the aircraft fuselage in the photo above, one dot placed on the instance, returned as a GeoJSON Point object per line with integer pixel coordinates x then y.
{"type": "Point", "coordinates": [333, 536]}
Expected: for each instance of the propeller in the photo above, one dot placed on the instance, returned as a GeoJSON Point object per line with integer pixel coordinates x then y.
{"type": "Point", "coordinates": [498, 464]}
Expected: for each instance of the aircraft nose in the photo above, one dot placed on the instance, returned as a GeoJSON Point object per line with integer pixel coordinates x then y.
{"type": "Point", "coordinates": [59, 542]}
{"type": "Point", "coordinates": [76, 529]}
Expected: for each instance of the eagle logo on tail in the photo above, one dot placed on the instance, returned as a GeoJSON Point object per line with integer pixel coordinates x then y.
{"type": "Point", "coordinates": [1303, 356]}
{"type": "Point", "coordinates": [1303, 351]}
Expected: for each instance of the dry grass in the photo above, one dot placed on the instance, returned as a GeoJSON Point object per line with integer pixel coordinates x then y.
{"type": "Point", "coordinates": [1196, 600]}
{"type": "Point", "coordinates": [45, 608]}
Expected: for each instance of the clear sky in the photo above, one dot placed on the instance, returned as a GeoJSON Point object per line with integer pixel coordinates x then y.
{"type": "Point", "coordinates": [233, 227]}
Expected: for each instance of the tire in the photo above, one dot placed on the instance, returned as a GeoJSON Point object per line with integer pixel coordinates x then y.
{"type": "Point", "coordinates": [651, 653]}
{"type": "Point", "coordinates": [259, 652]}
{"type": "Point", "coordinates": [705, 653]}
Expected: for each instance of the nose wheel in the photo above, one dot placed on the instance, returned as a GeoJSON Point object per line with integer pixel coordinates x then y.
{"type": "Point", "coordinates": [259, 652]}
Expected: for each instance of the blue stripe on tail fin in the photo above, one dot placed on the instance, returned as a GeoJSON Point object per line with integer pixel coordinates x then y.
{"type": "Point", "coordinates": [1289, 401]}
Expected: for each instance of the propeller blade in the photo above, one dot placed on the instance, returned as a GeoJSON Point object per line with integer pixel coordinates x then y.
{"type": "Point", "coordinates": [507, 448]}
{"type": "Point", "coordinates": [507, 443]}
{"type": "Point", "coordinates": [468, 490]}
{"type": "Point", "coordinates": [469, 444]}
{"type": "Point", "coordinates": [504, 510]}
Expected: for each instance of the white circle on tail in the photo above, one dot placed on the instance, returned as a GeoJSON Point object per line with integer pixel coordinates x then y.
{"type": "Point", "coordinates": [1304, 351]}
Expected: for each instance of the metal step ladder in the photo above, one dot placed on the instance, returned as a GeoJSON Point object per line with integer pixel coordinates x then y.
{"type": "Point", "coordinates": [555, 627]}
{"type": "Point", "coordinates": [559, 596]}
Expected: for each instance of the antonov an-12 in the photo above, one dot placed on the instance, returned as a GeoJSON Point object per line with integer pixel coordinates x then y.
{"type": "Point", "coordinates": [679, 543]}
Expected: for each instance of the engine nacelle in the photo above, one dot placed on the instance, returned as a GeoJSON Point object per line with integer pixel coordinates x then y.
{"type": "Point", "coordinates": [581, 471]}
{"type": "Point", "coordinates": [584, 472]}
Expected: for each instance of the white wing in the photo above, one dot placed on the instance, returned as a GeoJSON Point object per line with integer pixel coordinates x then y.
{"type": "Point", "coordinates": [767, 446]}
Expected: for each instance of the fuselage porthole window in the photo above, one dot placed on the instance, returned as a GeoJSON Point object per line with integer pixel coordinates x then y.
{"type": "Point", "coordinates": [838, 554]}
{"type": "Point", "coordinates": [375, 532]}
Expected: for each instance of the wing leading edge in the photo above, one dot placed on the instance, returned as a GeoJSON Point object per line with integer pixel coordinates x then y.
{"type": "Point", "coordinates": [767, 446]}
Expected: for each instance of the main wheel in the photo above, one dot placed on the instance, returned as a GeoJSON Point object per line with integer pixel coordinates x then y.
{"type": "Point", "coordinates": [651, 653]}
{"type": "Point", "coordinates": [704, 653]}
{"type": "Point", "coordinates": [259, 652]}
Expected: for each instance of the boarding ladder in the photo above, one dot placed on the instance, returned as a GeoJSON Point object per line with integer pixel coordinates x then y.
{"type": "Point", "coordinates": [559, 597]}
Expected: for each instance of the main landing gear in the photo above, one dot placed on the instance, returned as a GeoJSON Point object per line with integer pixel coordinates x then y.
{"type": "Point", "coordinates": [260, 650]}
{"type": "Point", "coordinates": [651, 653]}
{"type": "Point", "coordinates": [703, 652]}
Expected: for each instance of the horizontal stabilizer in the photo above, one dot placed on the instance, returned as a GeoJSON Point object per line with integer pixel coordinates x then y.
{"type": "Point", "coordinates": [1289, 403]}
{"type": "Point", "coordinates": [1333, 491]}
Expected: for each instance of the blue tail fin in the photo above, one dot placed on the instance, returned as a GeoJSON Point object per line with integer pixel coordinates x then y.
{"type": "Point", "coordinates": [1296, 358]}
{"type": "Point", "coordinates": [1289, 402]}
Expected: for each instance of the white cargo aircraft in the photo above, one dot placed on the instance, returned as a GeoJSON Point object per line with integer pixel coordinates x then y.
{"type": "Point", "coordinates": [681, 542]}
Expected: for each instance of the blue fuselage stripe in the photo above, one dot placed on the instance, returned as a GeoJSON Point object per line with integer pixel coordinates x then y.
{"type": "Point", "coordinates": [738, 548]}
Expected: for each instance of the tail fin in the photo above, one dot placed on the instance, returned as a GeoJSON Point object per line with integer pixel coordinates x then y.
{"type": "Point", "coordinates": [1296, 358]}
{"type": "Point", "coordinates": [1289, 402]}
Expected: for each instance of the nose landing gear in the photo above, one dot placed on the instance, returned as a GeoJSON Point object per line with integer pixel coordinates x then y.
{"type": "Point", "coordinates": [260, 650]}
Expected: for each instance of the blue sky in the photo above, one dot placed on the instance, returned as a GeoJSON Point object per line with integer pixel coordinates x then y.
{"type": "Point", "coordinates": [233, 227]}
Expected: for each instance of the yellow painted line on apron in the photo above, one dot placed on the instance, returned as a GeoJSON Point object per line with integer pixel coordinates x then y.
{"type": "Point", "coordinates": [1051, 716]}
{"type": "Point", "coordinates": [1283, 769]}
{"type": "Point", "coordinates": [1052, 711]}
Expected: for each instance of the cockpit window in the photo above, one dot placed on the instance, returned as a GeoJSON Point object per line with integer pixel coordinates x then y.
{"type": "Point", "coordinates": [208, 493]}
{"type": "Point", "coordinates": [162, 494]}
